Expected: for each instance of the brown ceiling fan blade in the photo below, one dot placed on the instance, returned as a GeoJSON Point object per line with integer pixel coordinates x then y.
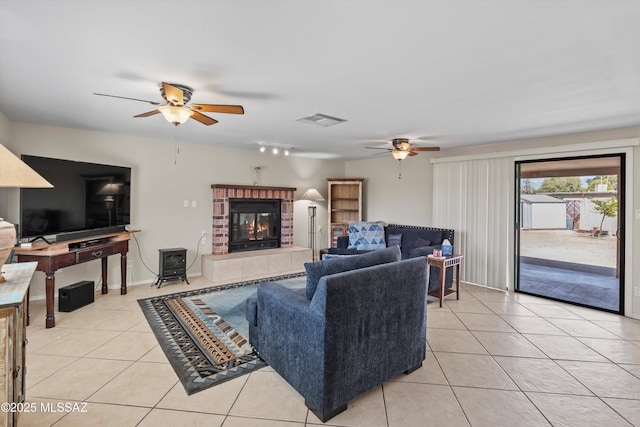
{"type": "Point", "coordinates": [172, 94]}
{"type": "Point", "coordinates": [213, 108]}
{"type": "Point", "coordinates": [148, 113]}
{"type": "Point", "coordinates": [411, 153]}
{"type": "Point", "coordinates": [425, 148]}
{"type": "Point", "coordinates": [205, 120]}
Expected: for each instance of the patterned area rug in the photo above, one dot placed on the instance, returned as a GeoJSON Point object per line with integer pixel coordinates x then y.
{"type": "Point", "coordinates": [204, 333]}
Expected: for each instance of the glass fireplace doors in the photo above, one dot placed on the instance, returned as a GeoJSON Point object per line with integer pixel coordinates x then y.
{"type": "Point", "coordinates": [254, 224]}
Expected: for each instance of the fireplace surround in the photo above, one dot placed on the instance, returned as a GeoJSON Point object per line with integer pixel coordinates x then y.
{"type": "Point", "coordinates": [223, 197]}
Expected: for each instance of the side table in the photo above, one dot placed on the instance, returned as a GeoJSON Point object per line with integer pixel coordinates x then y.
{"type": "Point", "coordinates": [444, 263]}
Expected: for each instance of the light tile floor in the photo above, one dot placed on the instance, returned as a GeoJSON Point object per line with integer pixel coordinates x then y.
{"type": "Point", "coordinates": [493, 359]}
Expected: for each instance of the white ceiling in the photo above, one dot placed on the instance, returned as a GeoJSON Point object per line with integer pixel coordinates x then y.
{"type": "Point", "coordinates": [452, 73]}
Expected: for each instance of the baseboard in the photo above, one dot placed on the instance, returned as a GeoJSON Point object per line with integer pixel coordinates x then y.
{"type": "Point", "coordinates": [113, 286]}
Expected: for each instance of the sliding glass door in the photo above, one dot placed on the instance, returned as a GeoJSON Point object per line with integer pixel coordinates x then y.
{"type": "Point", "coordinates": [570, 230]}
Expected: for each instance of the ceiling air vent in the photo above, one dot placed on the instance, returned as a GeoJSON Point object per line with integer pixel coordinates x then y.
{"type": "Point", "coordinates": [321, 120]}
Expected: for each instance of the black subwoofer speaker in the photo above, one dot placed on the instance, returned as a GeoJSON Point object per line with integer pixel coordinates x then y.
{"type": "Point", "coordinates": [75, 296]}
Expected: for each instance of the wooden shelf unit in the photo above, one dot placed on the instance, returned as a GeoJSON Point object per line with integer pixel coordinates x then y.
{"type": "Point", "coordinates": [344, 205]}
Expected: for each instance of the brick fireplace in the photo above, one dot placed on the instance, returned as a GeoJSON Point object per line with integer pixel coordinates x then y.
{"type": "Point", "coordinates": [222, 193]}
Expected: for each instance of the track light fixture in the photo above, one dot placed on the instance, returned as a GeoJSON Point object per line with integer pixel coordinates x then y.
{"type": "Point", "coordinates": [275, 149]}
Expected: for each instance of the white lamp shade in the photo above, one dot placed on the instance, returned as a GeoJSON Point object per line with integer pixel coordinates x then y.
{"type": "Point", "coordinates": [110, 189]}
{"type": "Point", "coordinates": [16, 173]}
{"type": "Point", "coordinates": [313, 195]}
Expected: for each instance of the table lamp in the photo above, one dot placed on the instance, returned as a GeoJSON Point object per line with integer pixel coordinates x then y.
{"type": "Point", "coordinates": [14, 173]}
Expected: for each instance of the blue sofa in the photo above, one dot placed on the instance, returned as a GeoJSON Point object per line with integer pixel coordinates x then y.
{"type": "Point", "coordinates": [359, 322]}
{"type": "Point", "coordinates": [412, 244]}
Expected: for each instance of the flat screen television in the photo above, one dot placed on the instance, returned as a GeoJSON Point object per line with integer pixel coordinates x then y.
{"type": "Point", "coordinates": [87, 199]}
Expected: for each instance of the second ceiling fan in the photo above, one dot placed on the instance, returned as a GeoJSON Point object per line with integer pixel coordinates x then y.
{"type": "Point", "coordinates": [403, 148]}
{"type": "Point", "coordinates": [177, 112]}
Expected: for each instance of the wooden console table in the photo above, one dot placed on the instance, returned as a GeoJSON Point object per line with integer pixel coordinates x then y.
{"type": "Point", "coordinates": [444, 263]}
{"type": "Point", "coordinates": [51, 258]}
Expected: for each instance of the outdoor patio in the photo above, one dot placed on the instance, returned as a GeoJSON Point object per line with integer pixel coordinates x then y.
{"type": "Point", "coordinates": [569, 265]}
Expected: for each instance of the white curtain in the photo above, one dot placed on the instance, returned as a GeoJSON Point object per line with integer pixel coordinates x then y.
{"type": "Point", "coordinates": [476, 198]}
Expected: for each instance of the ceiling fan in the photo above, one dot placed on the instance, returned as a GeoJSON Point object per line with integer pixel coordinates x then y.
{"type": "Point", "coordinates": [176, 111]}
{"type": "Point", "coordinates": [403, 148]}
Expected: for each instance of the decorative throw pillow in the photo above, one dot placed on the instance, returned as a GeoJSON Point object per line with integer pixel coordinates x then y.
{"type": "Point", "coordinates": [394, 240]}
{"type": "Point", "coordinates": [367, 236]}
{"type": "Point", "coordinates": [420, 242]}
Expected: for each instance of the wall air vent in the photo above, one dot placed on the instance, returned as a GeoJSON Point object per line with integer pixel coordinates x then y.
{"type": "Point", "coordinates": [321, 120]}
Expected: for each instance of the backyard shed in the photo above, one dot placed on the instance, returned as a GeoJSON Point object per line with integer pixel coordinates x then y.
{"type": "Point", "coordinates": [541, 211]}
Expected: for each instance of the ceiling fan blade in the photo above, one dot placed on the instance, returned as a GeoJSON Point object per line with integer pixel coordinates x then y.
{"type": "Point", "coordinates": [148, 113]}
{"type": "Point", "coordinates": [173, 94]}
{"type": "Point", "coordinates": [425, 148]}
{"type": "Point", "coordinates": [379, 148]}
{"type": "Point", "coordinates": [212, 108]}
{"type": "Point", "coordinates": [205, 120]}
{"type": "Point", "coordinates": [124, 97]}
{"type": "Point", "coordinates": [412, 153]}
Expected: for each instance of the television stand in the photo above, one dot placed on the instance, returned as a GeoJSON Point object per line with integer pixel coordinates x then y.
{"type": "Point", "coordinates": [51, 258]}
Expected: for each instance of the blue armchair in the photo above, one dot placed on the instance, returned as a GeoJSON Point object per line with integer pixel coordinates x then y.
{"type": "Point", "coordinates": [358, 329]}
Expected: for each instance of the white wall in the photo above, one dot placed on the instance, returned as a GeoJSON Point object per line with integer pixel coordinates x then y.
{"type": "Point", "coordinates": [160, 184]}
{"type": "Point", "coordinates": [5, 125]}
{"type": "Point", "coordinates": [404, 201]}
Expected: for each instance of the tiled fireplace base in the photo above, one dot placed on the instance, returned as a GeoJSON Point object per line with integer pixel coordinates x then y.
{"type": "Point", "coordinates": [238, 266]}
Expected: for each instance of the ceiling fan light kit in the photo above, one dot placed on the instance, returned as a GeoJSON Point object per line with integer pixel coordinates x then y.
{"type": "Point", "coordinates": [176, 112]}
{"type": "Point", "coordinates": [400, 154]}
{"type": "Point", "coordinates": [175, 115]}
{"type": "Point", "coordinates": [402, 148]}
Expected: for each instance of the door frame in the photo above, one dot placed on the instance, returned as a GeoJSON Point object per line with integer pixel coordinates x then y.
{"type": "Point", "coordinates": [621, 219]}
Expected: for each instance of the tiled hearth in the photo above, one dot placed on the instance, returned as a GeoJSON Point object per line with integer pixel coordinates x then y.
{"type": "Point", "coordinates": [254, 264]}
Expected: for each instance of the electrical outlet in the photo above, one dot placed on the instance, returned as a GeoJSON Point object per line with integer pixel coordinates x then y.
{"type": "Point", "coordinates": [203, 238]}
